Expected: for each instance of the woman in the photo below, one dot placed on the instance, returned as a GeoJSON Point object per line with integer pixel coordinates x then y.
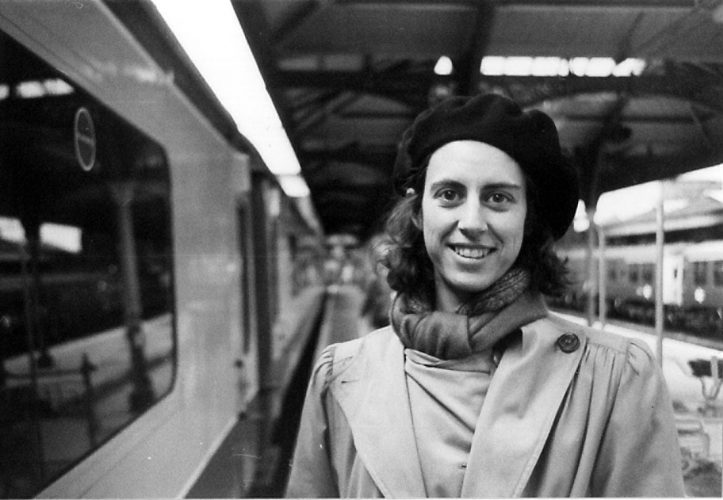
{"type": "Point", "coordinates": [476, 390]}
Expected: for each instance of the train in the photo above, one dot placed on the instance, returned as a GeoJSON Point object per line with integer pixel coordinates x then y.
{"type": "Point", "coordinates": [692, 281]}
{"type": "Point", "coordinates": [146, 250]}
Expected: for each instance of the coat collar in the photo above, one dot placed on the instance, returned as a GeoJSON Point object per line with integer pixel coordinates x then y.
{"type": "Point", "coordinates": [520, 407]}
{"type": "Point", "coordinates": [372, 393]}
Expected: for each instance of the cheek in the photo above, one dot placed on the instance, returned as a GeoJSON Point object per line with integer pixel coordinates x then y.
{"type": "Point", "coordinates": [518, 227]}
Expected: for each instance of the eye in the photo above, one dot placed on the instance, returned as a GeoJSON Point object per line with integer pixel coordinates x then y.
{"type": "Point", "coordinates": [499, 198]}
{"type": "Point", "coordinates": [448, 196]}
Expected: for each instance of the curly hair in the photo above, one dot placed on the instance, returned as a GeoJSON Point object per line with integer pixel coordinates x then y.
{"type": "Point", "coordinates": [411, 271]}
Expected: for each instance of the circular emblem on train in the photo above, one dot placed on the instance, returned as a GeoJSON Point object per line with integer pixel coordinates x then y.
{"type": "Point", "coordinates": [84, 139]}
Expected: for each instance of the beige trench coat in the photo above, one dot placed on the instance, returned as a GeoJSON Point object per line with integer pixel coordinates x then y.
{"type": "Point", "coordinates": [560, 418]}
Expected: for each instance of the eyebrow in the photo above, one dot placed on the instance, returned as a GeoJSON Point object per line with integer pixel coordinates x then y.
{"type": "Point", "coordinates": [495, 185]}
{"type": "Point", "coordinates": [445, 183]}
{"type": "Point", "coordinates": [503, 185]}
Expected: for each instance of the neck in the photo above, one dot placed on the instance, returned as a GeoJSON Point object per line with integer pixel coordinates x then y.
{"type": "Point", "coordinates": [506, 289]}
{"type": "Point", "coordinates": [447, 301]}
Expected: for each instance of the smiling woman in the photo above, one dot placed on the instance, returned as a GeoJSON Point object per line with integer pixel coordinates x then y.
{"type": "Point", "coordinates": [476, 390]}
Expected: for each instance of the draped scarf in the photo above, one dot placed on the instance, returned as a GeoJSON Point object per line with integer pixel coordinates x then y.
{"type": "Point", "coordinates": [477, 325]}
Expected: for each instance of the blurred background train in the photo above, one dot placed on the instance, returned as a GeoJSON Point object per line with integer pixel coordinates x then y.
{"type": "Point", "coordinates": [623, 268]}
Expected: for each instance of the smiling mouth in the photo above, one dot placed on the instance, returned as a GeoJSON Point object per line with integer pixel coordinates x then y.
{"type": "Point", "coordinates": [471, 252]}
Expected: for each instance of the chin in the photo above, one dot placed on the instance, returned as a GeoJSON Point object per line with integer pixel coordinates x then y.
{"type": "Point", "coordinates": [470, 287]}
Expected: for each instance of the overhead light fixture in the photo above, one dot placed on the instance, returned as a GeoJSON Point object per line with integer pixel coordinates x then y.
{"type": "Point", "coordinates": [12, 230]}
{"type": "Point", "coordinates": [549, 66]}
{"type": "Point", "coordinates": [492, 66]}
{"type": "Point", "coordinates": [294, 186]}
{"type": "Point", "coordinates": [212, 37]}
{"type": "Point", "coordinates": [630, 66]}
{"type": "Point", "coordinates": [556, 66]}
{"type": "Point", "coordinates": [444, 66]}
{"type": "Point", "coordinates": [33, 89]}
{"type": "Point", "coordinates": [581, 222]}
{"type": "Point", "coordinates": [518, 66]}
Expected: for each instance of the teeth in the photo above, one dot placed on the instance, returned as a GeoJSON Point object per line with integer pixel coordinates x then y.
{"type": "Point", "coordinates": [472, 253]}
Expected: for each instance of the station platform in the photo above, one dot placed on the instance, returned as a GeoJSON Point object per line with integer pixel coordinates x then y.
{"type": "Point", "coordinates": [255, 458]}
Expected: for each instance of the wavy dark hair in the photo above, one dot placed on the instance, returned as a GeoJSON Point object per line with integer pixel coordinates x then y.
{"type": "Point", "coordinates": [411, 271]}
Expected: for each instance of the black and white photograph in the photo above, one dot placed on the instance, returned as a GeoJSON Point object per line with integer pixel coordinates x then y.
{"type": "Point", "coordinates": [361, 249]}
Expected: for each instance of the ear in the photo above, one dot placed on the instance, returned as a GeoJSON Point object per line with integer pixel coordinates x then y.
{"type": "Point", "coordinates": [417, 219]}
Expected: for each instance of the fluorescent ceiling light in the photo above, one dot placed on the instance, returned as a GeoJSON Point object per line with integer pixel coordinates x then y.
{"type": "Point", "coordinates": [30, 89]}
{"type": "Point", "coordinates": [581, 222]}
{"type": "Point", "coordinates": [210, 34]}
{"type": "Point", "coordinates": [12, 230]}
{"type": "Point", "coordinates": [556, 66]}
{"type": "Point", "coordinates": [549, 66]}
{"type": "Point", "coordinates": [294, 186]}
{"type": "Point", "coordinates": [518, 66]}
{"type": "Point", "coordinates": [61, 236]}
{"type": "Point", "coordinates": [628, 67]}
{"type": "Point", "coordinates": [56, 86]}
{"type": "Point", "coordinates": [444, 66]}
{"type": "Point", "coordinates": [600, 66]}
{"type": "Point", "coordinates": [578, 65]}
{"type": "Point", "coordinates": [492, 66]}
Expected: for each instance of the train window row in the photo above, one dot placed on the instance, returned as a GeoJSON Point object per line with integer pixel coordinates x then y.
{"type": "Point", "coordinates": [703, 273]}
{"type": "Point", "coordinates": [86, 273]}
{"type": "Point", "coordinates": [708, 272]}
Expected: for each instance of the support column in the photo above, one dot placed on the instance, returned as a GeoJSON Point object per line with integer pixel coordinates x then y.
{"type": "Point", "coordinates": [142, 395]}
{"type": "Point", "coordinates": [29, 271]}
{"type": "Point", "coordinates": [660, 255]}
{"type": "Point", "coordinates": [590, 275]}
{"type": "Point", "coordinates": [602, 278]}
{"type": "Point", "coordinates": [36, 323]}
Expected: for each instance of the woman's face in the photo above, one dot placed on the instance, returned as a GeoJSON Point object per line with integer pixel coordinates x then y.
{"type": "Point", "coordinates": [473, 218]}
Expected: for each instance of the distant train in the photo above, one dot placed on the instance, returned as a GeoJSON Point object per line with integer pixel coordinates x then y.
{"type": "Point", "coordinates": [145, 252]}
{"type": "Point", "coordinates": [692, 284]}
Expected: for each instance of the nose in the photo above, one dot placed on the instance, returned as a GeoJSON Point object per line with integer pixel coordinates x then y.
{"type": "Point", "coordinates": [472, 220]}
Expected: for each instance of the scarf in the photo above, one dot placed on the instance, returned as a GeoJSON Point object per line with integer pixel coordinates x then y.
{"type": "Point", "coordinates": [476, 326]}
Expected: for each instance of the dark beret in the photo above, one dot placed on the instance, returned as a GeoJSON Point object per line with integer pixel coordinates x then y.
{"type": "Point", "coordinates": [529, 137]}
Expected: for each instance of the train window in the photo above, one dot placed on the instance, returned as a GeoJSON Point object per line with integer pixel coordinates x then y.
{"type": "Point", "coordinates": [633, 273]}
{"type": "Point", "coordinates": [718, 273]}
{"type": "Point", "coordinates": [612, 274]}
{"type": "Point", "coordinates": [647, 272]}
{"type": "Point", "coordinates": [700, 270]}
{"type": "Point", "coordinates": [86, 316]}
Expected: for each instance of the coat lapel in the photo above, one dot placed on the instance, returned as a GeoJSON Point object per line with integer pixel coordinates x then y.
{"type": "Point", "coordinates": [523, 399]}
{"type": "Point", "coordinates": [373, 395]}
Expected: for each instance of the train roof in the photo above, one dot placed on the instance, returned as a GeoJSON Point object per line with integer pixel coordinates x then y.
{"type": "Point", "coordinates": [349, 76]}
{"type": "Point", "coordinates": [694, 213]}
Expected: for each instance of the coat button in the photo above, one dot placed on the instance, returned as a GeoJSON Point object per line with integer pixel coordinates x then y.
{"type": "Point", "coordinates": [568, 342]}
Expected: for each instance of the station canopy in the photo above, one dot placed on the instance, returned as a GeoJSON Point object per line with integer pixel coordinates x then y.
{"type": "Point", "coordinates": [634, 86]}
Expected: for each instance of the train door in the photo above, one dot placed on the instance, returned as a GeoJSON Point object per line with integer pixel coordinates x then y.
{"type": "Point", "coordinates": [265, 206]}
{"type": "Point", "coordinates": [245, 342]}
{"type": "Point", "coordinates": [673, 279]}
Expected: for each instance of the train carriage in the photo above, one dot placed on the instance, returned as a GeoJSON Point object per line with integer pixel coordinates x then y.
{"type": "Point", "coordinates": [692, 283]}
{"type": "Point", "coordinates": [145, 250]}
